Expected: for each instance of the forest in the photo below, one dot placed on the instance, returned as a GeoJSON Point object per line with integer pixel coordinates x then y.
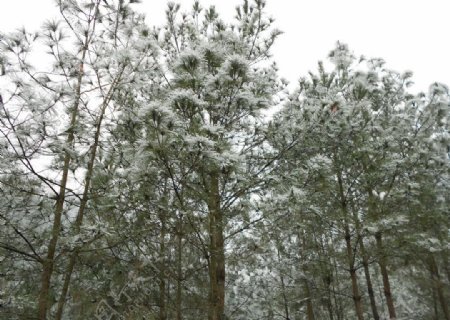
{"type": "Point", "coordinates": [169, 172]}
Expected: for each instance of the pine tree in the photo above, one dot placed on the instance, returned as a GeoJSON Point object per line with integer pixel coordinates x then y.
{"type": "Point", "coordinates": [141, 176]}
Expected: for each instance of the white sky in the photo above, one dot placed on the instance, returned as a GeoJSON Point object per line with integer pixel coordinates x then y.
{"type": "Point", "coordinates": [409, 35]}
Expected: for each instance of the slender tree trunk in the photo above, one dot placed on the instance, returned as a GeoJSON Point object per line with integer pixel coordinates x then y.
{"type": "Point", "coordinates": [162, 276]}
{"type": "Point", "coordinates": [365, 262]}
{"type": "Point", "coordinates": [338, 307]}
{"type": "Point", "coordinates": [216, 251]}
{"type": "Point", "coordinates": [350, 252]}
{"type": "Point", "coordinates": [65, 288]}
{"type": "Point", "coordinates": [48, 263]}
{"type": "Point", "coordinates": [382, 262]}
{"type": "Point", "coordinates": [445, 258]}
{"type": "Point", "coordinates": [353, 275]}
{"type": "Point", "coordinates": [370, 291]}
{"type": "Point", "coordinates": [283, 288]}
{"type": "Point", "coordinates": [326, 275]}
{"type": "Point", "coordinates": [285, 301]}
{"type": "Point", "coordinates": [434, 294]}
{"type": "Point", "coordinates": [437, 285]}
{"type": "Point", "coordinates": [329, 305]}
{"type": "Point", "coordinates": [306, 288]}
{"type": "Point", "coordinates": [179, 270]}
{"type": "Point", "coordinates": [85, 197]}
{"type": "Point", "coordinates": [309, 305]}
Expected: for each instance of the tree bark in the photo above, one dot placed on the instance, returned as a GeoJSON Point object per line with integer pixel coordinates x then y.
{"type": "Point", "coordinates": [353, 275]}
{"type": "Point", "coordinates": [65, 288]}
{"type": "Point", "coordinates": [216, 251]}
{"type": "Point", "coordinates": [445, 258]}
{"type": "Point", "coordinates": [350, 252]}
{"type": "Point", "coordinates": [285, 301]}
{"type": "Point", "coordinates": [162, 276]}
{"type": "Point", "coordinates": [85, 197]}
{"type": "Point", "coordinates": [283, 287]}
{"type": "Point", "coordinates": [309, 305]}
{"type": "Point", "coordinates": [370, 291]}
{"type": "Point", "coordinates": [437, 285]}
{"type": "Point", "coordinates": [306, 288]}
{"type": "Point", "coordinates": [179, 270]}
{"type": "Point", "coordinates": [48, 263]}
{"type": "Point", "coordinates": [382, 262]}
{"type": "Point", "coordinates": [335, 285]}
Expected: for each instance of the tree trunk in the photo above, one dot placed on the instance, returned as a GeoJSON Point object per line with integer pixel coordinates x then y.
{"type": "Point", "coordinates": [179, 270]}
{"type": "Point", "coordinates": [365, 262]}
{"type": "Point", "coordinates": [216, 251]}
{"type": "Point", "coordinates": [65, 288]}
{"type": "Point", "coordinates": [48, 263]}
{"type": "Point", "coordinates": [434, 294]}
{"type": "Point", "coordinates": [285, 301]}
{"type": "Point", "coordinates": [445, 258]}
{"type": "Point", "coordinates": [162, 276]}
{"type": "Point", "coordinates": [85, 197]}
{"type": "Point", "coordinates": [335, 285]}
{"type": "Point", "coordinates": [353, 275]}
{"type": "Point", "coordinates": [328, 281]}
{"type": "Point", "coordinates": [329, 304]}
{"type": "Point", "coordinates": [306, 288]}
{"type": "Point", "coordinates": [437, 285]}
{"type": "Point", "coordinates": [350, 251]}
{"type": "Point", "coordinates": [385, 275]}
{"type": "Point", "coordinates": [370, 291]}
{"type": "Point", "coordinates": [283, 287]}
{"type": "Point", "coordinates": [309, 306]}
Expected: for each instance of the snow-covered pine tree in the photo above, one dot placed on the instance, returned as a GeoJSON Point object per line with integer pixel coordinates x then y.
{"type": "Point", "coordinates": [138, 178]}
{"type": "Point", "coordinates": [56, 114]}
{"type": "Point", "coordinates": [219, 81]}
{"type": "Point", "coordinates": [355, 135]}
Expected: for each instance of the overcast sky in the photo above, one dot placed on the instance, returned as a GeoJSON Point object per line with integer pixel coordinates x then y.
{"type": "Point", "coordinates": [409, 35]}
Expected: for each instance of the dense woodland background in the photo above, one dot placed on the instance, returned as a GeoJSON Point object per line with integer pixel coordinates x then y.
{"type": "Point", "coordinates": [169, 173]}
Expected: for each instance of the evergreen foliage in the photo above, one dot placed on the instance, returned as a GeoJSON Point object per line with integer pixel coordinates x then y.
{"type": "Point", "coordinates": [142, 178]}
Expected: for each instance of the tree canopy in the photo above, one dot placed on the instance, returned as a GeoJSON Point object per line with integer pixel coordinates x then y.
{"type": "Point", "coordinates": [168, 172]}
